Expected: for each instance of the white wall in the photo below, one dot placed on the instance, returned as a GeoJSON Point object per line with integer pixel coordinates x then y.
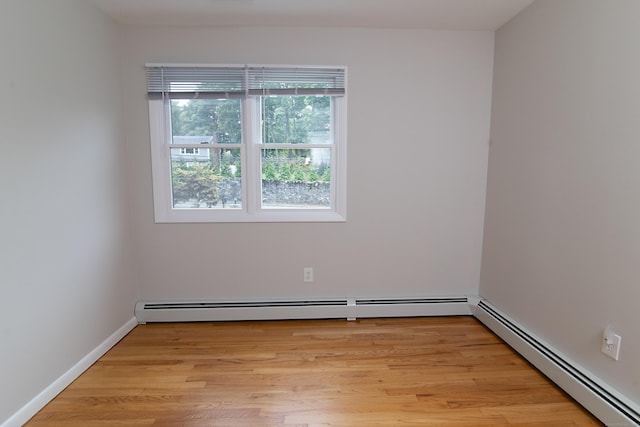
{"type": "Point", "coordinates": [66, 281]}
{"type": "Point", "coordinates": [562, 234]}
{"type": "Point", "coordinates": [418, 114]}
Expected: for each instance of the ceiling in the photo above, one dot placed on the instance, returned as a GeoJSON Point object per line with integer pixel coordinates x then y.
{"type": "Point", "coordinates": [486, 15]}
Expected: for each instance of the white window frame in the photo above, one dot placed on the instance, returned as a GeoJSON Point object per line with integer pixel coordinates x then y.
{"type": "Point", "coordinates": [250, 153]}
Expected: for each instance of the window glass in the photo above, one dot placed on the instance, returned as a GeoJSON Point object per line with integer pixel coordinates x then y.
{"type": "Point", "coordinates": [206, 121]}
{"type": "Point", "coordinates": [296, 178]}
{"type": "Point", "coordinates": [296, 119]}
{"type": "Point", "coordinates": [210, 179]}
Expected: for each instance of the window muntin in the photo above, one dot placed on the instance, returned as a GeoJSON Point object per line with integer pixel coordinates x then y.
{"type": "Point", "coordinates": [270, 154]}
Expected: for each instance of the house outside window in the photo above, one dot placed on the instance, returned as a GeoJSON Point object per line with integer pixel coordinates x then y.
{"type": "Point", "coordinates": [248, 143]}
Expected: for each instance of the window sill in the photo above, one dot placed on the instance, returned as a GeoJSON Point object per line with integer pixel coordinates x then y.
{"type": "Point", "coordinates": [229, 216]}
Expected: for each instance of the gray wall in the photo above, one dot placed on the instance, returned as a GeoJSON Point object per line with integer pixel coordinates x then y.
{"type": "Point", "coordinates": [562, 232]}
{"type": "Point", "coordinates": [418, 113]}
{"type": "Point", "coordinates": [66, 281]}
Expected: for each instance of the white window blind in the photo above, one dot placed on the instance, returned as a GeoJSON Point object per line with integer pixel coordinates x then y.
{"type": "Point", "coordinates": [295, 81]}
{"type": "Point", "coordinates": [190, 82]}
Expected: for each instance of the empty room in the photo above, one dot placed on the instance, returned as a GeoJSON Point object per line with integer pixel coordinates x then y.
{"type": "Point", "coordinates": [320, 213]}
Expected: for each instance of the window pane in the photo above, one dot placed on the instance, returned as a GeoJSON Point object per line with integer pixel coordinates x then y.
{"type": "Point", "coordinates": [296, 119]}
{"type": "Point", "coordinates": [296, 178]}
{"type": "Point", "coordinates": [208, 178]}
{"type": "Point", "coordinates": [206, 121]}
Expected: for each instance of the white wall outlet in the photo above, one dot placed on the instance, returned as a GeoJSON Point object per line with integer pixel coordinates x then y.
{"type": "Point", "coordinates": [308, 274]}
{"type": "Point", "coordinates": [611, 344]}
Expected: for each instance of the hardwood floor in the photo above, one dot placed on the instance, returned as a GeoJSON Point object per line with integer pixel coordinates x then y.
{"type": "Point", "coordinates": [433, 371]}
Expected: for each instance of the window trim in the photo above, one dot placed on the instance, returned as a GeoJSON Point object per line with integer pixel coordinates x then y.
{"type": "Point", "coordinates": [159, 127]}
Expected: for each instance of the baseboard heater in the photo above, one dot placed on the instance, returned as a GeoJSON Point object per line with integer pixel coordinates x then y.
{"type": "Point", "coordinates": [607, 405]}
{"type": "Point", "coordinates": [348, 308]}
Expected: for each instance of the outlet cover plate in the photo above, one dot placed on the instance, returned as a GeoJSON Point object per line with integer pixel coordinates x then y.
{"type": "Point", "coordinates": [612, 350]}
{"type": "Point", "coordinates": [308, 274]}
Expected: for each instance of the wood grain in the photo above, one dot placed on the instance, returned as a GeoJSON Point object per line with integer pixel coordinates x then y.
{"type": "Point", "coordinates": [435, 371]}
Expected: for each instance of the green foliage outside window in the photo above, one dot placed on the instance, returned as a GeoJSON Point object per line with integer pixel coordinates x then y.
{"type": "Point", "coordinates": [293, 119]}
{"type": "Point", "coordinates": [195, 182]}
{"type": "Point", "coordinates": [207, 117]}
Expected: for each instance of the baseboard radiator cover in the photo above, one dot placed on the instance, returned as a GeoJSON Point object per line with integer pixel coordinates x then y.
{"type": "Point", "coordinates": [609, 406]}
{"type": "Point", "coordinates": [347, 308]}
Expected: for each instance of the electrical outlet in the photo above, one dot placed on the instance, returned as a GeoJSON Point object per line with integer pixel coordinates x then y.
{"type": "Point", "coordinates": [611, 344]}
{"type": "Point", "coordinates": [308, 274]}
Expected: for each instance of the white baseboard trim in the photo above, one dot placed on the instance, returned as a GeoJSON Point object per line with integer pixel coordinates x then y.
{"type": "Point", "coordinates": [604, 402]}
{"type": "Point", "coordinates": [46, 395]}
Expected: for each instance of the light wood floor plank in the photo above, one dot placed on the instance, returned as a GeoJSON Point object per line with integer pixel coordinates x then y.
{"type": "Point", "coordinates": [439, 371]}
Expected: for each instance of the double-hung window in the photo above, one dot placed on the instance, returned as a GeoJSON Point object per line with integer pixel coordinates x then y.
{"type": "Point", "coordinates": [248, 143]}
